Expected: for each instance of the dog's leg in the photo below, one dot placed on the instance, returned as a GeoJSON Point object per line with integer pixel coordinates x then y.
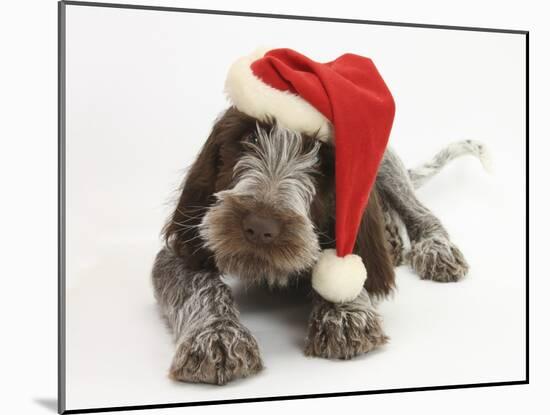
{"type": "Point", "coordinates": [432, 255]}
{"type": "Point", "coordinates": [212, 346]}
{"type": "Point", "coordinates": [392, 236]}
{"type": "Point", "coordinates": [342, 331]}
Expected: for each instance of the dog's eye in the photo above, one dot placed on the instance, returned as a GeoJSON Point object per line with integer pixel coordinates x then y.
{"type": "Point", "coordinates": [251, 138]}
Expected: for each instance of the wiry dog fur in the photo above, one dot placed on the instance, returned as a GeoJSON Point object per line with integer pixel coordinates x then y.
{"type": "Point", "coordinates": [250, 167]}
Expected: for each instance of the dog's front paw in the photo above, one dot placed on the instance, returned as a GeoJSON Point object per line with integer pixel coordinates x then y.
{"type": "Point", "coordinates": [343, 331]}
{"type": "Point", "coordinates": [438, 259]}
{"type": "Point", "coordinates": [217, 354]}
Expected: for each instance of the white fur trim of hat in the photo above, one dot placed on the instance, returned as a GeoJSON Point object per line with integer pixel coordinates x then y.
{"type": "Point", "coordinates": [254, 97]}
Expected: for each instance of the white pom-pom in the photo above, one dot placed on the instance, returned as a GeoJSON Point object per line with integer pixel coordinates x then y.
{"type": "Point", "coordinates": [338, 279]}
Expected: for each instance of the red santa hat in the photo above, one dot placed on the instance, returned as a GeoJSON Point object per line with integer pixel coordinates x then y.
{"type": "Point", "coordinates": [346, 99]}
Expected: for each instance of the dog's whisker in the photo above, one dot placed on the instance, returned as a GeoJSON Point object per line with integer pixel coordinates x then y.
{"type": "Point", "coordinates": [193, 208]}
{"type": "Point", "coordinates": [192, 239]}
{"type": "Point", "coordinates": [198, 248]}
{"type": "Point", "coordinates": [189, 209]}
{"type": "Point", "coordinates": [191, 217]}
{"type": "Point", "coordinates": [198, 215]}
{"type": "Point", "coordinates": [187, 226]}
{"type": "Point", "coordinates": [182, 232]}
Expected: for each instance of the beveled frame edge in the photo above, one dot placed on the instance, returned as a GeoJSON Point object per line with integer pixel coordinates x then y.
{"type": "Point", "coordinates": [61, 207]}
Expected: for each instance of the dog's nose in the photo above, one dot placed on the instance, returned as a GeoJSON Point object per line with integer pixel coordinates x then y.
{"type": "Point", "coordinates": [259, 229]}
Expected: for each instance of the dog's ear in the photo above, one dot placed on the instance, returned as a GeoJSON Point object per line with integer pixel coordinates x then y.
{"type": "Point", "coordinates": [371, 246]}
{"type": "Point", "coordinates": [211, 171]}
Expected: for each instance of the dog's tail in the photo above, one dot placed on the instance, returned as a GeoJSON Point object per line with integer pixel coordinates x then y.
{"type": "Point", "coordinates": [425, 172]}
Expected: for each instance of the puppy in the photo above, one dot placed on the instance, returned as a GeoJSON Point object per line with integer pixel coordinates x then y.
{"type": "Point", "coordinates": [259, 204]}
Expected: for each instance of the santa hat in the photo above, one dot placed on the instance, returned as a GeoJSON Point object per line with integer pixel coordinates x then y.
{"type": "Point", "coordinates": [346, 99]}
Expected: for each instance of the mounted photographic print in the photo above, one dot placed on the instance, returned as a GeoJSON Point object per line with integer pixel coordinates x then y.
{"type": "Point", "coordinates": [262, 207]}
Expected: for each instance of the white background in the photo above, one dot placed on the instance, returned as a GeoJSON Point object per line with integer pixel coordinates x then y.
{"type": "Point", "coordinates": [31, 246]}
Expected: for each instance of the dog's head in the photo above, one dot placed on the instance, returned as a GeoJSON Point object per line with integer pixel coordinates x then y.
{"type": "Point", "coordinates": [257, 203]}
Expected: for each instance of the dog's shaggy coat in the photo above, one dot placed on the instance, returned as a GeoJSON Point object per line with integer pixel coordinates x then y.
{"type": "Point", "coordinates": [285, 180]}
